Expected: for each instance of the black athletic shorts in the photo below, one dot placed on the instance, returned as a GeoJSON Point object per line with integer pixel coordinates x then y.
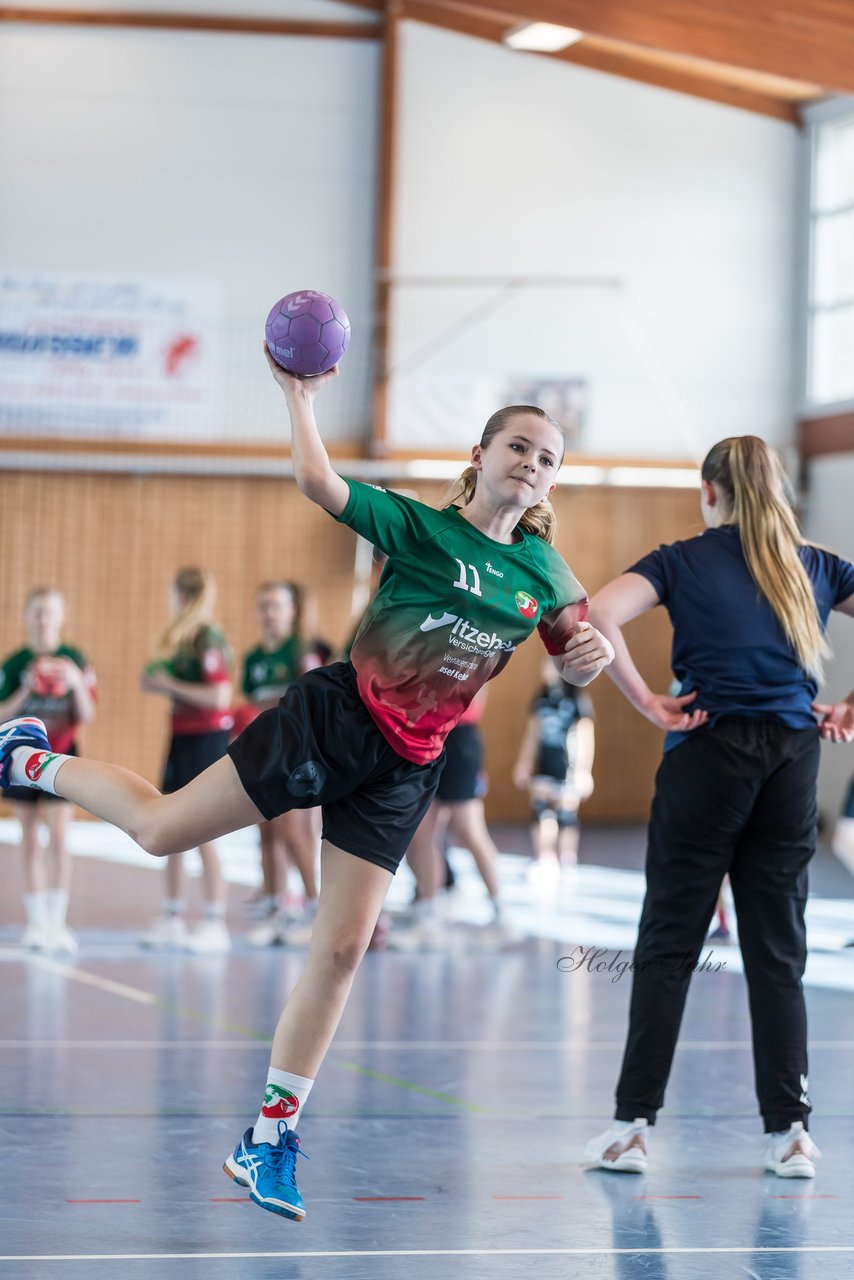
{"type": "Point", "coordinates": [320, 746]}
{"type": "Point", "coordinates": [31, 795]}
{"type": "Point", "coordinates": [462, 776]}
{"type": "Point", "coordinates": [189, 755]}
{"type": "Point", "coordinates": [552, 762]}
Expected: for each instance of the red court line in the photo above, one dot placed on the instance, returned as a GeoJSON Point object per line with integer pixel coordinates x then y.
{"type": "Point", "coordinates": [103, 1202]}
{"type": "Point", "coordinates": [383, 1199]}
{"type": "Point", "coordinates": [528, 1197]}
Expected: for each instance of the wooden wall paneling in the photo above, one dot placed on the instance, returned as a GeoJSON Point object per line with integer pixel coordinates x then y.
{"type": "Point", "coordinates": [113, 542]}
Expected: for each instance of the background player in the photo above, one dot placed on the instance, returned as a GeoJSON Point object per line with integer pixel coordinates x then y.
{"type": "Point", "coordinates": [192, 668]}
{"type": "Point", "coordinates": [555, 766]}
{"type": "Point", "coordinates": [276, 661]}
{"type": "Point", "coordinates": [52, 680]}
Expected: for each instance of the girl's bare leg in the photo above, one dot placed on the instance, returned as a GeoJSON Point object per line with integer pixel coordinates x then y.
{"type": "Point", "coordinates": [35, 879]}
{"type": "Point", "coordinates": [214, 885]}
{"type": "Point", "coordinates": [423, 855]}
{"type": "Point", "coordinates": [270, 877]}
{"type": "Point", "coordinates": [56, 817]}
{"type": "Point", "coordinates": [296, 829]}
{"type": "Point", "coordinates": [467, 824]}
{"type": "Point", "coordinates": [351, 896]}
{"type": "Point", "coordinates": [175, 879]}
{"type": "Point", "coordinates": [211, 805]}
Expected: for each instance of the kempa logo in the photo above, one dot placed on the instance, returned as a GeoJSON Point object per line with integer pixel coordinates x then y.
{"type": "Point", "coordinates": [465, 631]}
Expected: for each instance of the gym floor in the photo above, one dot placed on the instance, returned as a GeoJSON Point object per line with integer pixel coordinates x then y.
{"type": "Point", "coordinates": [445, 1128]}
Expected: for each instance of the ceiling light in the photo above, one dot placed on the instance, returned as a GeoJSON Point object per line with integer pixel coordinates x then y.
{"type": "Point", "coordinates": [542, 37]}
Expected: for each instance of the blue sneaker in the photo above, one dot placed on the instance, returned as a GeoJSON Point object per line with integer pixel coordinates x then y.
{"type": "Point", "coordinates": [26, 732]}
{"type": "Point", "coordinates": [269, 1172]}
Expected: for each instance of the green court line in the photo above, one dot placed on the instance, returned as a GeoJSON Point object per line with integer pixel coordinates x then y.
{"type": "Point", "coordinates": [409, 1084]}
{"type": "Point", "coordinates": [195, 1015]}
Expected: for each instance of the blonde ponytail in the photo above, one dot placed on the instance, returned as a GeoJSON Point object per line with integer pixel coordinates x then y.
{"type": "Point", "coordinates": [751, 479]}
{"type": "Point", "coordinates": [539, 520]}
{"type": "Point", "coordinates": [197, 592]}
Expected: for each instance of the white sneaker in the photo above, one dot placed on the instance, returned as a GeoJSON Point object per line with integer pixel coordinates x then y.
{"type": "Point", "coordinates": [269, 933]}
{"type": "Point", "coordinates": [792, 1154]}
{"type": "Point", "coordinates": [167, 933]}
{"type": "Point", "coordinates": [259, 906]}
{"type": "Point", "coordinates": [427, 934]}
{"type": "Point", "coordinates": [209, 937]}
{"type": "Point", "coordinates": [544, 874]}
{"type": "Point", "coordinates": [34, 937]}
{"type": "Point", "coordinates": [61, 939]}
{"type": "Point", "coordinates": [495, 936]}
{"type": "Point", "coordinates": [620, 1149]}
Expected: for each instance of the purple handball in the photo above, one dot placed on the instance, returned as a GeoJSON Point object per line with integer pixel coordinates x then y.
{"type": "Point", "coordinates": [307, 332]}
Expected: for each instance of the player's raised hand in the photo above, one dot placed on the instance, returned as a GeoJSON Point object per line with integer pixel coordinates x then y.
{"type": "Point", "coordinates": [292, 385]}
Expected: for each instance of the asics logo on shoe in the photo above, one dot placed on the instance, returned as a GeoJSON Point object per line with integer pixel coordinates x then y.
{"type": "Point", "coordinates": [279, 1104]}
{"type": "Point", "coordinates": [36, 765]}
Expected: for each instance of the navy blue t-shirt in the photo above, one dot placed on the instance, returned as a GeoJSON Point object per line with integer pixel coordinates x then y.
{"type": "Point", "coordinates": [727, 642]}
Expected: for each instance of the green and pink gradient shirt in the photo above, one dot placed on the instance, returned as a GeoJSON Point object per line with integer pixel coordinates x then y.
{"type": "Point", "coordinates": [452, 606]}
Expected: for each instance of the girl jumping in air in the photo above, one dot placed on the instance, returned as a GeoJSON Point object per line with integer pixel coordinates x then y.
{"type": "Point", "coordinates": [363, 739]}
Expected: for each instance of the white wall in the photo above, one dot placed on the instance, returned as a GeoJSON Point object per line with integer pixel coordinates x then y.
{"type": "Point", "coordinates": [250, 162]}
{"type": "Point", "coordinates": [511, 164]}
{"type": "Point", "coordinates": [244, 160]}
{"type": "Point", "coordinates": [828, 521]}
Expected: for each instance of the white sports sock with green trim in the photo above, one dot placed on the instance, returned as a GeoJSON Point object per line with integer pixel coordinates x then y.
{"type": "Point", "coordinates": [35, 768]}
{"type": "Point", "coordinates": [284, 1099]}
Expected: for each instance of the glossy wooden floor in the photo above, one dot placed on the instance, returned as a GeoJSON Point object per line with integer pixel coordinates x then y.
{"type": "Point", "coordinates": [445, 1128]}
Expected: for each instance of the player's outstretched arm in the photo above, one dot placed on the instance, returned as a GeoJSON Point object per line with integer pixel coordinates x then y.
{"type": "Point", "coordinates": [313, 471]}
{"type": "Point", "coordinates": [618, 602]}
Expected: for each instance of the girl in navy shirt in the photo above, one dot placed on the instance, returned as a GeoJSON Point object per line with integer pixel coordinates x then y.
{"type": "Point", "coordinates": [735, 792]}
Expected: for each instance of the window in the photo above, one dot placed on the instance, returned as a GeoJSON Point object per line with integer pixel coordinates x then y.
{"type": "Point", "coordinates": [830, 363]}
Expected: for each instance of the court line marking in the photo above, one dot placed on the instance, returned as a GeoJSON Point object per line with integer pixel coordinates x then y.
{"type": "Point", "coordinates": [350, 1046]}
{"type": "Point", "coordinates": [148, 998]}
{"type": "Point", "coordinates": [431, 1253]}
{"type": "Point", "coordinates": [136, 994]}
{"type": "Point", "coordinates": [370, 1074]}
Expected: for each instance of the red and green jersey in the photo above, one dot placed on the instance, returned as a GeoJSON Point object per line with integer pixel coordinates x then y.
{"type": "Point", "coordinates": [452, 606]}
{"type": "Point", "coordinates": [48, 700]}
{"type": "Point", "coordinates": [268, 672]}
{"type": "Point", "coordinates": [206, 659]}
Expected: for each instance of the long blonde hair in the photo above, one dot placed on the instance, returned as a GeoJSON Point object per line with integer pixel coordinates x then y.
{"type": "Point", "coordinates": [196, 592]}
{"type": "Point", "coordinates": [540, 520]}
{"type": "Point", "coordinates": [751, 479]}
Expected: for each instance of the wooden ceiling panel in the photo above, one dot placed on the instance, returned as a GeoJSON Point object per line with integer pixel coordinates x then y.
{"type": "Point", "coordinates": [766, 56]}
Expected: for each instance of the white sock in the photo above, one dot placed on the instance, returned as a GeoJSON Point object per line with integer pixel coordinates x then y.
{"type": "Point", "coordinates": [57, 907]}
{"type": "Point", "coordinates": [284, 1099]}
{"type": "Point", "coordinates": [623, 1126]}
{"type": "Point", "coordinates": [36, 908]}
{"type": "Point", "coordinates": [214, 911]}
{"type": "Point", "coordinates": [35, 769]}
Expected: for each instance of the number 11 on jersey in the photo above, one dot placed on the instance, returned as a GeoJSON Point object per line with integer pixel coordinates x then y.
{"type": "Point", "coordinates": [462, 581]}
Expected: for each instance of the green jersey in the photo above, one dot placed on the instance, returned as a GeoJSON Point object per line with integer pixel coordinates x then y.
{"type": "Point", "coordinates": [48, 701]}
{"type": "Point", "coordinates": [267, 674]}
{"type": "Point", "coordinates": [452, 606]}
